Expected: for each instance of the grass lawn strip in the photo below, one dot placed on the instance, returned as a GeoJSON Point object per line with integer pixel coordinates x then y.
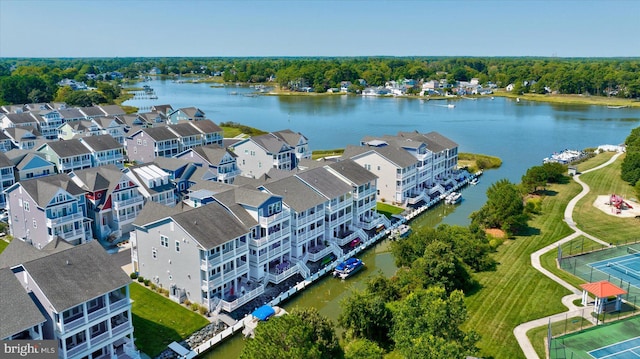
{"type": "Point", "coordinates": [158, 321]}
{"type": "Point", "coordinates": [516, 292]}
{"type": "Point", "coordinates": [537, 336]}
{"type": "Point", "coordinates": [387, 209]}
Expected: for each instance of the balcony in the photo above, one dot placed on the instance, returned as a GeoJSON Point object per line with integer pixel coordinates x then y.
{"type": "Point", "coordinates": [97, 313]}
{"type": "Point", "coordinates": [364, 194]}
{"type": "Point", "coordinates": [281, 276]}
{"type": "Point", "coordinates": [318, 253]}
{"type": "Point", "coordinates": [265, 221]}
{"type": "Point", "coordinates": [211, 282]}
{"type": "Point", "coordinates": [210, 261]}
{"type": "Point", "coordinates": [119, 304]}
{"type": "Point", "coordinates": [302, 220]}
{"type": "Point", "coordinates": [77, 349]}
{"type": "Point", "coordinates": [222, 176]}
{"type": "Point", "coordinates": [72, 165]}
{"type": "Point", "coordinates": [120, 329]}
{"type": "Point", "coordinates": [308, 235]}
{"type": "Point", "coordinates": [126, 218]}
{"type": "Point", "coordinates": [98, 339]}
{"type": "Point", "coordinates": [68, 219]}
{"type": "Point", "coordinates": [121, 204]}
{"type": "Point", "coordinates": [345, 238]}
{"type": "Point", "coordinates": [70, 324]}
{"type": "Point", "coordinates": [231, 306]}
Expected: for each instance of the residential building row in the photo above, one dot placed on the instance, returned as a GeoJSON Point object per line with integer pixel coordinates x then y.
{"type": "Point", "coordinates": [74, 295]}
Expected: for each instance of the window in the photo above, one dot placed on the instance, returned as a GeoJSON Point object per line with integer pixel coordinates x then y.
{"type": "Point", "coordinates": [144, 143]}
{"type": "Point", "coordinates": [164, 241]}
{"type": "Point", "coordinates": [35, 224]}
{"type": "Point", "coordinates": [154, 253]}
{"type": "Point", "coordinates": [178, 246]}
{"type": "Point", "coordinates": [26, 206]}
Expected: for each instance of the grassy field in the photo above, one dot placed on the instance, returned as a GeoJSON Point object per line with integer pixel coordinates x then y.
{"type": "Point", "coordinates": [475, 161]}
{"type": "Point", "coordinates": [516, 293]}
{"type": "Point", "coordinates": [325, 153]}
{"type": "Point", "coordinates": [594, 161]}
{"type": "Point", "coordinates": [158, 321]}
{"type": "Point", "coordinates": [602, 225]}
{"type": "Point", "coordinates": [572, 99]}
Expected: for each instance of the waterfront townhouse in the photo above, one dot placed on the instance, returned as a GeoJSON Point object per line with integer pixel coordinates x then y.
{"type": "Point", "coordinates": [186, 113]}
{"type": "Point", "coordinates": [71, 115]}
{"type": "Point", "coordinates": [76, 129]}
{"type": "Point", "coordinates": [112, 110]}
{"type": "Point", "coordinates": [396, 169]}
{"type": "Point", "coordinates": [144, 145]}
{"type": "Point", "coordinates": [85, 300]}
{"type": "Point", "coordinates": [113, 200]}
{"type": "Point", "coordinates": [445, 153]}
{"type": "Point", "coordinates": [296, 140]}
{"type": "Point", "coordinates": [339, 225]}
{"type": "Point", "coordinates": [111, 126]}
{"type": "Point", "coordinates": [43, 209]}
{"type": "Point", "coordinates": [105, 150]}
{"type": "Point", "coordinates": [7, 176]}
{"type": "Point", "coordinates": [21, 119]}
{"type": "Point", "coordinates": [152, 119]}
{"type": "Point", "coordinates": [20, 318]}
{"type": "Point", "coordinates": [200, 254]}
{"type": "Point", "coordinates": [29, 164]}
{"type": "Point", "coordinates": [258, 154]}
{"type": "Point", "coordinates": [24, 138]}
{"type": "Point", "coordinates": [188, 136]}
{"type": "Point", "coordinates": [67, 156]}
{"type": "Point", "coordinates": [153, 183]}
{"type": "Point", "coordinates": [364, 193]}
{"type": "Point", "coordinates": [48, 122]}
{"type": "Point", "coordinates": [5, 142]}
{"type": "Point", "coordinates": [163, 110]}
{"type": "Point", "coordinates": [213, 156]}
{"type": "Point", "coordinates": [270, 257]}
{"type": "Point", "coordinates": [307, 208]}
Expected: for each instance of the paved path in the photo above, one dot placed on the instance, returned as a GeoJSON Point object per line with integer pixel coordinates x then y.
{"type": "Point", "coordinates": [573, 311]}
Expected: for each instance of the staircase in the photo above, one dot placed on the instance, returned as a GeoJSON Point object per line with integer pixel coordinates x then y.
{"type": "Point", "coordinates": [336, 249]}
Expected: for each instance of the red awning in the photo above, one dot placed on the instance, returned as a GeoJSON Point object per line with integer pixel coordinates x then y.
{"type": "Point", "coordinates": [603, 289]}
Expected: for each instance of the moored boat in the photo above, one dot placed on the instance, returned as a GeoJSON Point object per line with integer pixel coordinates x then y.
{"type": "Point", "coordinates": [474, 181]}
{"type": "Point", "coordinates": [453, 198]}
{"type": "Point", "coordinates": [347, 268]}
{"type": "Point", "coordinates": [402, 231]}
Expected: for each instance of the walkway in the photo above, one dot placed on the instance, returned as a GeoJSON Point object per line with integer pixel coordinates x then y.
{"type": "Point", "coordinates": [573, 311]}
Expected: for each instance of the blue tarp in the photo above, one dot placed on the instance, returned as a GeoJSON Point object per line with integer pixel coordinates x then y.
{"type": "Point", "coordinates": [264, 312]}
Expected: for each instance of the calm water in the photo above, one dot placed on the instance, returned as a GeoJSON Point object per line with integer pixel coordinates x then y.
{"type": "Point", "coordinates": [521, 134]}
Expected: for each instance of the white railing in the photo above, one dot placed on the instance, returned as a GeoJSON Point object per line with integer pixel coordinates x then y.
{"type": "Point", "coordinates": [347, 239]}
{"type": "Point", "coordinates": [121, 303]}
{"type": "Point", "coordinates": [77, 349]}
{"type": "Point", "coordinates": [67, 326]}
{"type": "Point", "coordinates": [266, 220]}
{"type": "Point", "coordinates": [309, 218]}
{"type": "Point", "coordinates": [98, 339]}
{"type": "Point", "coordinates": [231, 306]}
{"type": "Point", "coordinates": [314, 257]}
{"type": "Point", "coordinates": [119, 204]}
{"type": "Point", "coordinates": [122, 328]}
{"type": "Point", "coordinates": [97, 313]}
{"type": "Point", "coordinates": [277, 278]}
{"type": "Point", "coordinates": [64, 219]}
{"type": "Point", "coordinates": [210, 261]}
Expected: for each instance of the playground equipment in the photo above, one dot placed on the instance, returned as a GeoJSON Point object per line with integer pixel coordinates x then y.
{"type": "Point", "coordinates": [618, 203]}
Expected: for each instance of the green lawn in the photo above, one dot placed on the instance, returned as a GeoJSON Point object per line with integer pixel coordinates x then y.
{"type": "Point", "coordinates": [516, 293]}
{"type": "Point", "coordinates": [537, 335]}
{"type": "Point", "coordinates": [594, 161]}
{"type": "Point", "coordinates": [158, 321]}
{"type": "Point", "coordinates": [3, 245]}
{"type": "Point", "coordinates": [387, 209]}
{"type": "Point", "coordinates": [590, 219]}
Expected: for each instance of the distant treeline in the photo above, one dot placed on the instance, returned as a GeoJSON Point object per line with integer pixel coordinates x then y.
{"type": "Point", "coordinates": [595, 76]}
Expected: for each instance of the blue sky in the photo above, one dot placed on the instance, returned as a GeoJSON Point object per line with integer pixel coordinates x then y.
{"type": "Point", "coordinates": [124, 28]}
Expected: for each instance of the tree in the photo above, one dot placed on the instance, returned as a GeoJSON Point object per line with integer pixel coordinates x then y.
{"type": "Point", "coordinates": [535, 177]}
{"type": "Point", "coordinates": [304, 333]}
{"type": "Point", "coordinates": [363, 349]}
{"type": "Point", "coordinates": [365, 315]}
{"type": "Point", "coordinates": [440, 266]}
{"type": "Point", "coordinates": [426, 324]}
{"type": "Point", "coordinates": [504, 208]}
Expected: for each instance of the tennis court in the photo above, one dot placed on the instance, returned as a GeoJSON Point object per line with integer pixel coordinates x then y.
{"type": "Point", "coordinates": [625, 267]}
{"type": "Point", "coordinates": [628, 349]}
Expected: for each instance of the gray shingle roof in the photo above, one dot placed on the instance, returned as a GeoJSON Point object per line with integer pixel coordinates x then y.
{"type": "Point", "coordinates": [398, 156]}
{"type": "Point", "coordinates": [44, 188]}
{"type": "Point", "coordinates": [435, 142]}
{"type": "Point", "coordinates": [112, 110]}
{"type": "Point", "coordinates": [18, 252]}
{"type": "Point", "coordinates": [70, 113]}
{"type": "Point", "coordinates": [163, 108]}
{"type": "Point", "coordinates": [206, 126]}
{"type": "Point", "coordinates": [79, 125]}
{"type": "Point", "coordinates": [213, 153]}
{"type": "Point", "coordinates": [324, 182]}
{"type": "Point", "coordinates": [68, 148]}
{"type": "Point", "coordinates": [21, 118]}
{"type": "Point", "coordinates": [5, 161]}
{"type": "Point", "coordinates": [99, 178]}
{"type": "Point", "coordinates": [19, 133]}
{"type": "Point", "coordinates": [28, 157]}
{"type": "Point", "coordinates": [295, 193]}
{"type": "Point", "coordinates": [102, 143]}
{"type": "Point", "coordinates": [290, 137]}
{"type": "Point", "coordinates": [105, 122]}
{"type": "Point", "coordinates": [19, 312]}
{"type": "Point", "coordinates": [76, 275]}
{"type": "Point", "coordinates": [152, 212]}
{"type": "Point", "coordinates": [269, 142]}
{"type": "Point", "coordinates": [160, 133]}
{"type": "Point", "coordinates": [228, 199]}
{"type": "Point", "coordinates": [92, 111]}
{"type": "Point", "coordinates": [353, 172]}
{"type": "Point", "coordinates": [185, 129]}
{"type": "Point", "coordinates": [211, 225]}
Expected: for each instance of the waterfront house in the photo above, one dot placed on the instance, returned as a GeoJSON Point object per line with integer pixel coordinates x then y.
{"type": "Point", "coordinates": [210, 132]}
{"type": "Point", "coordinates": [186, 114]}
{"type": "Point", "coordinates": [145, 144]}
{"type": "Point", "coordinates": [46, 208]}
{"type": "Point", "coordinates": [221, 160]}
{"type": "Point", "coordinates": [7, 176]}
{"type": "Point", "coordinates": [296, 140]}
{"type": "Point", "coordinates": [164, 110]}
{"type": "Point", "coordinates": [91, 321]}
{"type": "Point", "coordinates": [20, 318]}
{"type": "Point", "coordinates": [24, 138]}
{"type": "Point", "coordinates": [105, 150]}
{"type": "Point", "coordinates": [113, 200]}
{"type": "Point", "coordinates": [188, 136]}
{"type": "Point", "coordinates": [153, 183]}
{"type": "Point", "coordinates": [29, 164]}
{"type": "Point", "coordinates": [258, 154]}
{"type": "Point", "coordinates": [67, 155]}
{"type": "Point", "coordinates": [200, 254]}
{"type": "Point", "coordinates": [151, 119]}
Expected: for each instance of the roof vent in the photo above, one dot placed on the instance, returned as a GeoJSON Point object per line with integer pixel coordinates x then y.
{"type": "Point", "coordinates": [68, 262]}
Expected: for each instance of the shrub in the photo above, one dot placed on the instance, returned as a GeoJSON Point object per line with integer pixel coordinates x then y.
{"type": "Point", "coordinates": [133, 275]}
{"type": "Point", "coordinates": [203, 310]}
{"type": "Point", "coordinates": [140, 279]}
{"type": "Point", "coordinates": [153, 286]}
{"type": "Point", "coordinates": [194, 306]}
{"type": "Point", "coordinates": [187, 302]}
{"type": "Point", "coordinates": [146, 282]}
